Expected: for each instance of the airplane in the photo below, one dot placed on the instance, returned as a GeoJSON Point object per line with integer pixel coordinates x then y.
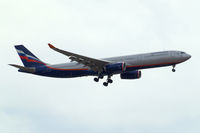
{"type": "Point", "coordinates": [129, 67]}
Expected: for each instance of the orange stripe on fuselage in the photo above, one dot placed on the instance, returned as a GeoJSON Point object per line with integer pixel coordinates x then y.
{"type": "Point", "coordinates": [78, 69]}
{"type": "Point", "coordinates": [127, 66]}
{"type": "Point", "coordinates": [82, 69]}
{"type": "Point", "coordinates": [30, 60]}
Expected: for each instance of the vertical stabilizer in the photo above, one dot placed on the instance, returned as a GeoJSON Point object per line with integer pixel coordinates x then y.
{"type": "Point", "coordinates": [28, 59]}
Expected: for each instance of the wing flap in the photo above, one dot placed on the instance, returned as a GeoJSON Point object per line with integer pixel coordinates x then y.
{"type": "Point", "coordinates": [92, 63]}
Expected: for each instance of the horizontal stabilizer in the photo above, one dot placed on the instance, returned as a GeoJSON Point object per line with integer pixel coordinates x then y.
{"type": "Point", "coordinates": [25, 69]}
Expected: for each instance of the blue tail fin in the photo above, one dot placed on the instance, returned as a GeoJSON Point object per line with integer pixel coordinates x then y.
{"type": "Point", "coordinates": [28, 59]}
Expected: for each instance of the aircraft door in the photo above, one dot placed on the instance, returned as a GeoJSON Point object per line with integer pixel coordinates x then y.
{"type": "Point", "coordinates": [139, 60]}
{"type": "Point", "coordinates": [173, 54]}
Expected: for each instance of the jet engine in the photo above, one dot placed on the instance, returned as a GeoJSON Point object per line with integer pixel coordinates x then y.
{"type": "Point", "coordinates": [131, 75]}
{"type": "Point", "coordinates": [115, 68]}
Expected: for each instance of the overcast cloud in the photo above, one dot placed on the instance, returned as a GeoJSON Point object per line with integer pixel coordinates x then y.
{"type": "Point", "coordinates": [161, 101]}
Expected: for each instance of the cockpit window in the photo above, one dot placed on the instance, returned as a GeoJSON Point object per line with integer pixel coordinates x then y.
{"type": "Point", "coordinates": [182, 52]}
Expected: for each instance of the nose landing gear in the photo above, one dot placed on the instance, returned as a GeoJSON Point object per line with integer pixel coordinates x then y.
{"type": "Point", "coordinates": [173, 69]}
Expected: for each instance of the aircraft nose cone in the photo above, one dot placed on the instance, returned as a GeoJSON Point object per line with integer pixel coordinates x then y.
{"type": "Point", "coordinates": [187, 56]}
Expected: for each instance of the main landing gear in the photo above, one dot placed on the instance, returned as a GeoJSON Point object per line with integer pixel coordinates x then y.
{"type": "Point", "coordinates": [99, 77]}
{"type": "Point", "coordinates": [109, 80]}
{"type": "Point", "coordinates": [173, 69]}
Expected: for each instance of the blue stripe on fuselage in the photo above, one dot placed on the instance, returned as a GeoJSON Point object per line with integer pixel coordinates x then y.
{"type": "Point", "coordinates": [49, 72]}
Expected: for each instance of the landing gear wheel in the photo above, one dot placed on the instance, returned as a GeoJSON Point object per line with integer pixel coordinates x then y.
{"type": "Point", "coordinates": [105, 83]}
{"type": "Point", "coordinates": [173, 70]}
{"type": "Point", "coordinates": [96, 79]}
{"type": "Point", "coordinates": [110, 81]}
{"type": "Point", "coordinates": [101, 76]}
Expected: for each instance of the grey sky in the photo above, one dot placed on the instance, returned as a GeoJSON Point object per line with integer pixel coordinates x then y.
{"type": "Point", "coordinates": [161, 101]}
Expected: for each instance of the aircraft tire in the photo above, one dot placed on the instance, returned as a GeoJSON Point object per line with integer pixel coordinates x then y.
{"type": "Point", "coordinates": [105, 84]}
{"type": "Point", "coordinates": [110, 81]}
{"type": "Point", "coordinates": [96, 79]}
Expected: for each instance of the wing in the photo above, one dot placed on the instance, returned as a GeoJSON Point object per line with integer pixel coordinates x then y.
{"type": "Point", "coordinates": [94, 64]}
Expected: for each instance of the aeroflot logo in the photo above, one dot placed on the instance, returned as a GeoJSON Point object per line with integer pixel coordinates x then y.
{"type": "Point", "coordinates": [29, 56]}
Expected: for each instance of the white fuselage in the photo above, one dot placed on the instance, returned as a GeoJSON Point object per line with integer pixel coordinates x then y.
{"type": "Point", "coordinates": [148, 59]}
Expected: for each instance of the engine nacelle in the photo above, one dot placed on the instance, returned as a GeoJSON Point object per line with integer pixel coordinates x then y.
{"type": "Point", "coordinates": [131, 75]}
{"type": "Point", "coordinates": [115, 68]}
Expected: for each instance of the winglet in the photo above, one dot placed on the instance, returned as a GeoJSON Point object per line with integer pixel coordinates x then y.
{"type": "Point", "coordinates": [51, 46]}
